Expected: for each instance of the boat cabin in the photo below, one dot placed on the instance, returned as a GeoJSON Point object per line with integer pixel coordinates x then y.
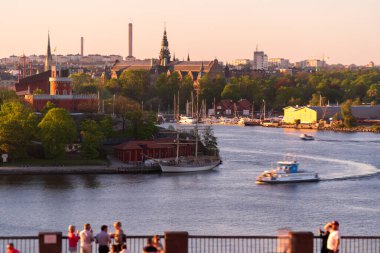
{"type": "Point", "coordinates": [288, 167]}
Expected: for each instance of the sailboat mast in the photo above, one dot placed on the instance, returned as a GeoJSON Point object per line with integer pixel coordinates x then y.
{"type": "Point", "coordinates": [196, 131]}
{"type": "Point", "coordinates": [178, 105]}
{"type": "Point", "coordinates": [177, 156]}
{"type": "Point", "coordinates": [192, 104]}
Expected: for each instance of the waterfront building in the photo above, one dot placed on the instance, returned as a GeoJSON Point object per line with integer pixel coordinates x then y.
{"type": "Point", "coordinates": [139, 150]}
{"type": "Point", "coordinates": [313, 114]}
{"type": "Point", "coordinates": [227, 108]}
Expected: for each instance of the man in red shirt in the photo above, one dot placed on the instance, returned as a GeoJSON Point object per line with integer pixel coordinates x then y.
{"type": "Point", "coordinates": [11, 248]}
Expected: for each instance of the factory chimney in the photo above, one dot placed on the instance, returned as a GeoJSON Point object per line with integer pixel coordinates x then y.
{"type": "Point", "coordinates": [81, 46]}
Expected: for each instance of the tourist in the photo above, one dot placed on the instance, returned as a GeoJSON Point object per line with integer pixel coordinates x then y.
{"type": "Point", "coordinates": [86, 239]}
{"type": "Point", "coordinates": [124, 249]}
{"type": "Point", "coordinates": [11, 248]}
{"type": "Point", "coordinates": [113, 249]}
{"type": "Point", "coordinates": [103, 239]}
{"type": "Point", "coordinates": [73, 238]}
{"type": "Point", "coordinates": [334, 238]}
{"type": "Point", "coordinates": [149, 246]}
{"type": "Point", "coordinates": [119, 238]}
{"type": "Point", "coordinates": [325, 235]}
{"type": "Point", "coordinates": [157, 243]}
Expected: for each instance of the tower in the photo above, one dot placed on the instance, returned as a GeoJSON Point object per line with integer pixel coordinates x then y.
{"type": "Point", "coordinates": [81, 46]}
{"type": "Point", "coordinates": [130, 41]}
{"type": "Point", "coordinates": [49, 58]}
{"type": "Point", "coordinates": [164, 52]}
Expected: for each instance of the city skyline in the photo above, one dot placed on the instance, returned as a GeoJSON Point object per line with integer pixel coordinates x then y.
{"type": "Point", "coordinates": [342, 32]}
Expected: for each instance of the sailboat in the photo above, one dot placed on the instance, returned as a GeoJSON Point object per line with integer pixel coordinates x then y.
{"type": "Point", "coordinates": [191, 163]}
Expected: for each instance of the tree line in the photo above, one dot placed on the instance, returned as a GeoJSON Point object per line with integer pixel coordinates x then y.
{"type": "Point", "coordinates": [278, 91]}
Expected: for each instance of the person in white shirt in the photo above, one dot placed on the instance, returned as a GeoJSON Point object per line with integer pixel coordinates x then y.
{"type": "Point", "coordinates": [334, 238]}
{"type": "Point", "coordinates": [86, 239]}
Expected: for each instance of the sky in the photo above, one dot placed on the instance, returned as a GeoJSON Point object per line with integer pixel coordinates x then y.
{"type": "Point", "coordinates": [340, 31]}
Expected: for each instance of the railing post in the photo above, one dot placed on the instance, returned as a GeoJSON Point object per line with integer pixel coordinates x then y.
{"type": "Point", "coordinates": [301, 242]}
{"type": "Point", "coordinates": [176, 242]}
{"type": "Point", "coordinates": [50, 242]}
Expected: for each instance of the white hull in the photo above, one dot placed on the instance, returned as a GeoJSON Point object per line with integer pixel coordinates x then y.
{"type": "Point", "coordinates": [187, 120]}
{"type": "Point", "coordinates": [289, 178]}
{"type": "Point", "coordinates": [188, 167]}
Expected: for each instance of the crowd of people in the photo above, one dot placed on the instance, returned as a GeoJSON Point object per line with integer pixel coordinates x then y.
{"type": "Point", "coordinates": [103, 240]}
{"type": "Point", "coordinates": [330, 237]}
{"type": "Point", "coordinates": [330, 240]}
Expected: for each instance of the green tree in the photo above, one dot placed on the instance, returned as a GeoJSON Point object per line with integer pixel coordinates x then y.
{"type": "Point", "coordinates": [105, 125]}
{"type": "Point", "coordinates": [231, 91]}
{"type": "Point", "coordinates": [134, 83]}
{"type": "Point", "coordinates": [6, 94]}
{"type": "Point", "coordinates": [49, 105]}
{"type": "Point", "coordinates": [348, 118]}
{"type": "Point", "coordinates": [38, 91]}
{"type": "Point", "coordinates": [141, 125]}
{"type": "Point", "coordinates": [92, 136]}
{"type": "Point", "coordinates": [210, 142]}
{"type": "Point", "coordinates": [17, 127]}
{"type": "Point", "coordinates": [56, 130]}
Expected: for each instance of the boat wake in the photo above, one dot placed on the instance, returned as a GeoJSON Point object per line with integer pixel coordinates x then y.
{"type": "Point", "coordinates": [348, 170]}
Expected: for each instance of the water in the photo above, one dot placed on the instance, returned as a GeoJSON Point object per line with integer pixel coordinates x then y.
{"type": "Point", "coordinates": [225, 201]}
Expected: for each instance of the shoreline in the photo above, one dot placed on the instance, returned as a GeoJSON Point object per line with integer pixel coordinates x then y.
{"type": "Point", "coordinates": [78, 170]}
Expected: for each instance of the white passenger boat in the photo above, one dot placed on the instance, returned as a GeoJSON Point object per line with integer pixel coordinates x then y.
{"type": "Point", "coordinates": [287, 172]}
{"type": "Point", "coordinates": [306, 137]}
{"type": "Point", "coordinates": [187, 120]}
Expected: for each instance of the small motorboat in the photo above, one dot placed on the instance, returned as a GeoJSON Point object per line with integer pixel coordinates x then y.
{"type": "Point", "coordinates": [306, 137]}
{"type": "Point", "coordinates": [287, 172]}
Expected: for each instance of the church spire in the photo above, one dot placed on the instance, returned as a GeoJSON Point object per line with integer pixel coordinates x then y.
{"type": "Point", "coordinates": [164, 52]}
{"type": "Point", "coordinates": [49, 58]}
{"type": "Point", "coordinates": [188, 56]}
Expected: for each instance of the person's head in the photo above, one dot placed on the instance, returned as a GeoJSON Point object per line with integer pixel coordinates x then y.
{"type": "Point", "coordinates": [156, 239]}
{"type": "Point", "coordinates": [10, 246]}
{"type": "Point", "coordinates": [327, 226]}
{"type": "Point", "coordinates": [124, 246]}
{"type": "Point", "coordinates": [71, 228]}
{"type": "Point", "coordinates": [335, 225]}
{"type": "Point", "coordinates": [149, 241]}
{"type": "Point", "coordinates": [104, 228]}
{"type": "Point", "coordinates": [117, 224]}
{"type": "Point", "coordinates": [87, 226]}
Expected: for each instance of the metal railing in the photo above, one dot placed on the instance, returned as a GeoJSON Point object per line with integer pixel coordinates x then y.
{"type": "Point", "coordinates": [213, 244]}
{"type": "Point", "coordinates": [354, 244]}
{"type": "Point", "coordinates": [236, 244]}
{"type": "Point", "coordinates": [26, 244]}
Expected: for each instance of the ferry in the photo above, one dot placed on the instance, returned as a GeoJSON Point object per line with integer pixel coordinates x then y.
{"type": "Point", "coordinates": [287, 172]}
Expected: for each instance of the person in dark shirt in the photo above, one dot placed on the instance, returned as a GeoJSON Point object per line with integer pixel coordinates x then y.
{"type": "Point", "coordinates": [324, 235]}
{"type": "Point", "coordinates": [149, 247]}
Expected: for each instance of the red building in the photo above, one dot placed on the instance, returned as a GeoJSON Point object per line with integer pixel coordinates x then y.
{"type": "Point", "coordinates": [60, 92]}
{"type": "Point", "coordinates": [138, 151]}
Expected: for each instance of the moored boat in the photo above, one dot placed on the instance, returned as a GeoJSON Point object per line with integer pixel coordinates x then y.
{"type": "Point", "coordinates": [287, 172]}
{"type": "Point", "coordinates": [306, 137]}
{"type": "Point", "coordinates": [187, 120]}
{"type": "Point", "coordinates": [189, 165]}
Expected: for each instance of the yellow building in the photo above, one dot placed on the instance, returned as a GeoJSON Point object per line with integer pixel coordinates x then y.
{"type": "Point", "coordinates": [305, 115]}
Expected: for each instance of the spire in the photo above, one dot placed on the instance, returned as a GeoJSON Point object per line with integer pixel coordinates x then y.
{"type": "Point", "coordinates": [174, 56]}
{"type": "Point", "coordinates": [188, 56]}
{"type": "Point", "coordinates": [202, 67]}
{"type": "Point", "coordinates": [164, 52]}
{"type": "Point", "coordinates": [49, 58]}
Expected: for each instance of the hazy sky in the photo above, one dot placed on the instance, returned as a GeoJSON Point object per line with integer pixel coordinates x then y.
{"type": "Point", "coordinates": [344, 31]}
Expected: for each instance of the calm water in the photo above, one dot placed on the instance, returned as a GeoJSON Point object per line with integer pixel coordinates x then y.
{"type": "Point", "coordinates": [224, 201]}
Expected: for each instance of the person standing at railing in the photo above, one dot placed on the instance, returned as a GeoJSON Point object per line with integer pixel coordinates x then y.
{"type": "Point", "coordinates": [157, 244]}
{"type": "Point", "coordinates": [325, 235]}
{"type": "Point", "coordinates": [119, 238]}
{"type": "Point", "coordinates": [73, 238]}
{"type": "Point", "coordinates": [86, 239]}
{"type": "Point", "coordinates": [11, 248]}
{"type": "Point", "coordinates": [334, 238]}
{"type": "Point", "coordinates": [149, 248]}
{"type": "Point", "coordinates": [124, 249]}
{"type": "Point", "coordinates": [103, 239]}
